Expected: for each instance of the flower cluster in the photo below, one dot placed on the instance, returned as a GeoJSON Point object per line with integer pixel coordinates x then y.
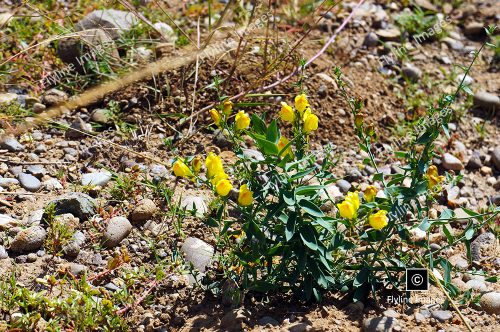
{"type": "Point", "coordinates": [241, 120]}
{"type": "Point", "coordinates": [348, 209]}
{"type": "Point", "coordinates": [301, 116]}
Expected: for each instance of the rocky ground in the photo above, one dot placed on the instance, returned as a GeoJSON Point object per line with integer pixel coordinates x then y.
{"type": "Point", "coordinates": [123, 209]}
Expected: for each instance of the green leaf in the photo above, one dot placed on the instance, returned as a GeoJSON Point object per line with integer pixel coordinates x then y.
{"type": "Point", "coordinates": [301, 174]}
{"type": "Point", "coordinates": [308, 190]}
{"type": "Point", "coordinates": [310, 208]}
{"type": "Point", "coordinates": [262, 286]}
{"type": "Point", "coordinates": [361, 277]}
{"type": "Point", "coordinates": [446, 214]}
{"type": "Point", "coordinates": [290, 226]}
{"type": "Point", "coordinates": [266, 146]}
{"type": "Point", "coordinates": [289, 198]}
{"type": "Point", "coordinates": [258, 125]}
{"type": "Point", "coordinates": [272, 134]}
{"type": "Point", "coordinates": [446, 232]}
{"type": "Point", "coordinates": [469, 233]}
{"type": "Point", "coordinates": [378, 177]}
{"type": "Point", "coordinates": [425, 224]}
{"type": "Point", "coordinates": [308, 235]}
{"type": "Point", "coordinates": [467, 90]}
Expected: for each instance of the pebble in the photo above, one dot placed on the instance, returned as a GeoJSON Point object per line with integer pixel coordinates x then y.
{"type": "Point", "coordinates": [3, 253]}
{"type": "Point", "coordinates": [78, 129]}
{"type": "Point", "coordinates": [195, 204]}
{"type": "Point", "coordinates": [343, 185]}
{"type": "Point", "coordinates": [80, 205]}
{"type": "Point", "coordinates": [474, 162]}
{"type": "Point", "coordinates": [39, 108]}
{"type": "Point", "coordinates": [411, 72]}
{"type": "Point", "coordinates": [144, 210]}
{"type": "Point", "coordinates": [267, 320]}
{"type": "Point", "coordinates": [166, 31]}
{"type": "Point", "coordinates": [483, 246]}
{"type": "Point", "coordinates": [474, 29]}
{"type": "Point", "coordinates": [490, 302]}
{"type": "Point", "coordinates": [198, 252]}
{"type": "Point", "coordinates": [234, 319]}
{"type": "Point", "coordinates": [36, 170]}
{"type": "Point", "coordinates": [102, 116]}
{"type": "Point", "coordinates": [8, 182]}
{"type": "Point", "coordinates": [459, 262]}
{"type": "Point", "coordinates": [391, 313]}
{"type": "Point", "coordinates": [96, 178]}
{"type": "Point", "coordinates": [392, 34]}
{"type": "Point", "coordinates": [29, 239]}
{"type": "Point", "coordinates": [114, 22]}
{"type": "Point", "coordinates": [451, 162]}
{"type": "Point", "coordinates": [477, 285]}
{"type": "Point", "coordinates": [495, 157]}
{"type": "Point", "coordinates": [117, 229]}
{"type": "Point", "coordinates": [371, 39]}
{"type": "Point", "coordinates": [380, 324]}
{"type": "Point", "coordinates": [354, 175]}
{"type": "Point", "coordinates": [54, 97]}
{"type": "Point", "coordinates": [73, 247]}
{"type": "Point", "coordinates": [11, 144]}
{"type": "Point", "coordinates": [7, 98]}
{"type": "Point", "coordinates": [52, 184]}
{"type": "Point", "coordinates": [442, 315]}
{"type": "Point", "coordinates": [32, 257]}
{"type": "Point", "coordinates": [29, 182]}
{"type": "Point", "coordinates": [486, 100]}
{"type": "Point", "coordinates": [253, 154]}
{"type": "Point", "coordinates": [455, 45]}
{"type": "Point", "coordinates": [77, 269]}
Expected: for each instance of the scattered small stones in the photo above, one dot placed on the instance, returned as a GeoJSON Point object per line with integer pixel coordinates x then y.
{"type": "Point", "coordinates": [486, 100]}
{"type": "Point", "coordinates": [29, 182]}
{"type": "Point", "coordinates": [54, 97]}
{"type": "Point", "coordinates": [29, 239]}
{"type": "Point", "coordinates": [490, 302]}
{"type": "Point", "coordinates": [36, 170]}
{"type": "Point", "coordinates": [483, 246]}
{"type": "Point", "coordinates": [118, 228]}
{"type": "Point", "coordinates": [194, 204]}
{"type": "Point", "coordinates": [234, 319]}
{"type": "Point", "coordinates": [198, 252]}
{"type": "Point", "coordinates": [380, 324]}
{"type": "Point", "coordinates": [144, 210]}
{"type": "Point", "coordinates": [450, 162]}
{"type": "Point", "coordinates": [11, 144]}
{"type": "Point", "coordinates": [80, 205]}
{"type": "Point", "coordinates": [96, 179]}
{"type": "Point", "coordinates": [442, 315]}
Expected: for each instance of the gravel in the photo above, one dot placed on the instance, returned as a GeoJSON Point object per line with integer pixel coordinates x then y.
{"type": "Point", "coordinates": [144, 210]}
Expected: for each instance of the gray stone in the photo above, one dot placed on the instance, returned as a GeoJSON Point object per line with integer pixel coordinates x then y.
{"type": "Point", "coordinates": [300, 327]}
{"type": "Point", "coordinates": [392, 34]}
{"type": "Point", "coordinates": [7, 98]}
{"type": "Point", "coordinates": [371, 39]}
{"type": "Point", "coordinates": [380, 324]}
{"type": "Point", "coordinates": [96, 179]}
{"type": "Point", "coordinates": [194, 204]}
{"type": "Point", "coordinates": [8, 182]}
{"type": "Point", "coordinates": [220, 140]}
{"type": "Point", "coordinates": [426, 4]}
{"type": "Point", "coordinates": [77, 269]}
{"type": "Point", "coordinates": [419, 318]}
{"type": "Point", "coordinates": [29, 239]}
{"type": "Point", "coordinates": [144, 210]}
{"type": "Point", "coordinates": [198, 253]}
{"type": "Point", "coordinates": [73, 247]}
{"type": "Point", "coordinates": [11, 144]}
{"type": "Point", "coordinates": [450, 162]}
{"type": "Point", "coordinates": [455, 45]}
{"type": "Point", "coordinates": [267, 320]}
{"type": "Point", "coordinates": [475, 161]}
{"type": "Point", "coordinates": [78, 129]}
{"type": "Point", "coordinates": [234, 319]}
{"type": "Point", "coordinates": [52, 184]}
{"type": "Point", "coordinates": [102, 116]}
{"type": "Point", "coordinates": [113, 22]}
{"type": "Point", "coordinates": [39, 108]}
{"type": "Point", "coordinates": [490, 302]}
{"type": "Point", "coordinates": [391, 313]}
{"type": "Point", "coordinates": [495, 157]}
{"type": "Point", "coordinates": [3, 253]}
{"type": "Point", "coordinates": [159, 171]}
{"type": "Point", "coordinates": [442, 315]}
{"type": "Point", "coordinates": [253, 154]}
{"type": "Point", "coordinates": [483, 246]}
{"type": "Point", "coordinates": [80, 205]}
{"type": "Point", "coordinates": [117, 229]}
{"type": "Point", "coordinates": [165, 31]}
{"type": "Point", "coordinates": [353, 175]}
{"type": "Point", "coordinates": [32, 257]}
{"type": "Point", "coordinates": [53, 97]}
{"type": "Point", "coordinates": [476, 285]}
{"type": "Point", "coordinates": [474, 29]}
{"type": "Point", "coordinates": [36, 170]}
{"type": "Point", "coordinates": [458, 261]}
{"type": "Point", "coordinates": [29, 182]}
{"type": "Point", "coordinates": [343, 185]}
{"type": "Point", "coordinates": [411, 72]}
{"type": "Point", "coordinates": [486, 100]}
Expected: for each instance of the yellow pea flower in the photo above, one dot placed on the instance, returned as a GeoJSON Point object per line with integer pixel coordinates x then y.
{"type": "Point", "coordinates": [301, 103]}
{"type": "Point", "coordinates": [215, 117]}
{"type": "Point", "coordinates": [245, 197]}
{"type": "Point", "coordinates": [378, 220]}
{"type": "Point", "coordinates": [370, 193]}
{"type": "Point", "coordinates": [347, 210]}
{"type": "Point", "coordinates": [242, 120]}
{"type": "Point", "coordinates": [358, 120]}
{"type": "Point", "coordinates": [213, 164]}
{"type": "Point", "coordinates": [196, 164]}
{"type": "Point", "coordinates": [281, 145]}
{"type": "Point", "coordinates": [223, 187]}
{"type": "Point", "coordinates": [287, 114]}
{"type": "Point", "coordinates": [219, 176]}
{"type": "Point", "coordinates": [433, 177]}
{"type": "Point", "coordinates": [227, 107]}
{"type": "Point", "coordinates": [181, 169]}
{"type": "Point", "coordinates": [310, 121]}
{"type": "Point", "coordinates": [353, 198]}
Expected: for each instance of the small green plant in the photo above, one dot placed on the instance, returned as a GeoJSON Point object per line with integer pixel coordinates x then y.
{"type": "Point", "coordinates": [420, 23]}
{"type": "Point", "coordinates": [59, 232]}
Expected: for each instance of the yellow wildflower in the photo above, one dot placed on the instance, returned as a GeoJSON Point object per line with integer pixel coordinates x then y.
{"type": "Point", "coordinates": [242, 120]}
{"type": "Point", "coordinates": [213, 164]}
{"type": "Point", "coordinates": [196, 164]}
{"type": "Point", "coordinates": [219, 176]}
{"type": "Point", "coordinates": [301, 103]}
{"type": "Point", "coordinates": [215, 117]}
{"type": "Point", "coordinates": [358, 120]}
{"type": "Point", "coordinates": [181, 169]}
{"type": "Point", "coordinates": [378, 220]}
{"type": "Point", "coordinates": [227, 107]}
{"type": "Point", "coordinates": [281, 145]}
{"type": "Point", "coordinates": [310, 121]}
{"type": "Point", "coordinates": [349, 207]}
{"type": "Point", "coordinates": [370, 193]}
{"type": "Point", "coordinates": [287, 114]}
{"type": "Point", "coordinates": [223, 187]}
{"type": "Point", "coordinates": [245, 197]}
{"type": "Point", "coordinates": [433, 177]}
